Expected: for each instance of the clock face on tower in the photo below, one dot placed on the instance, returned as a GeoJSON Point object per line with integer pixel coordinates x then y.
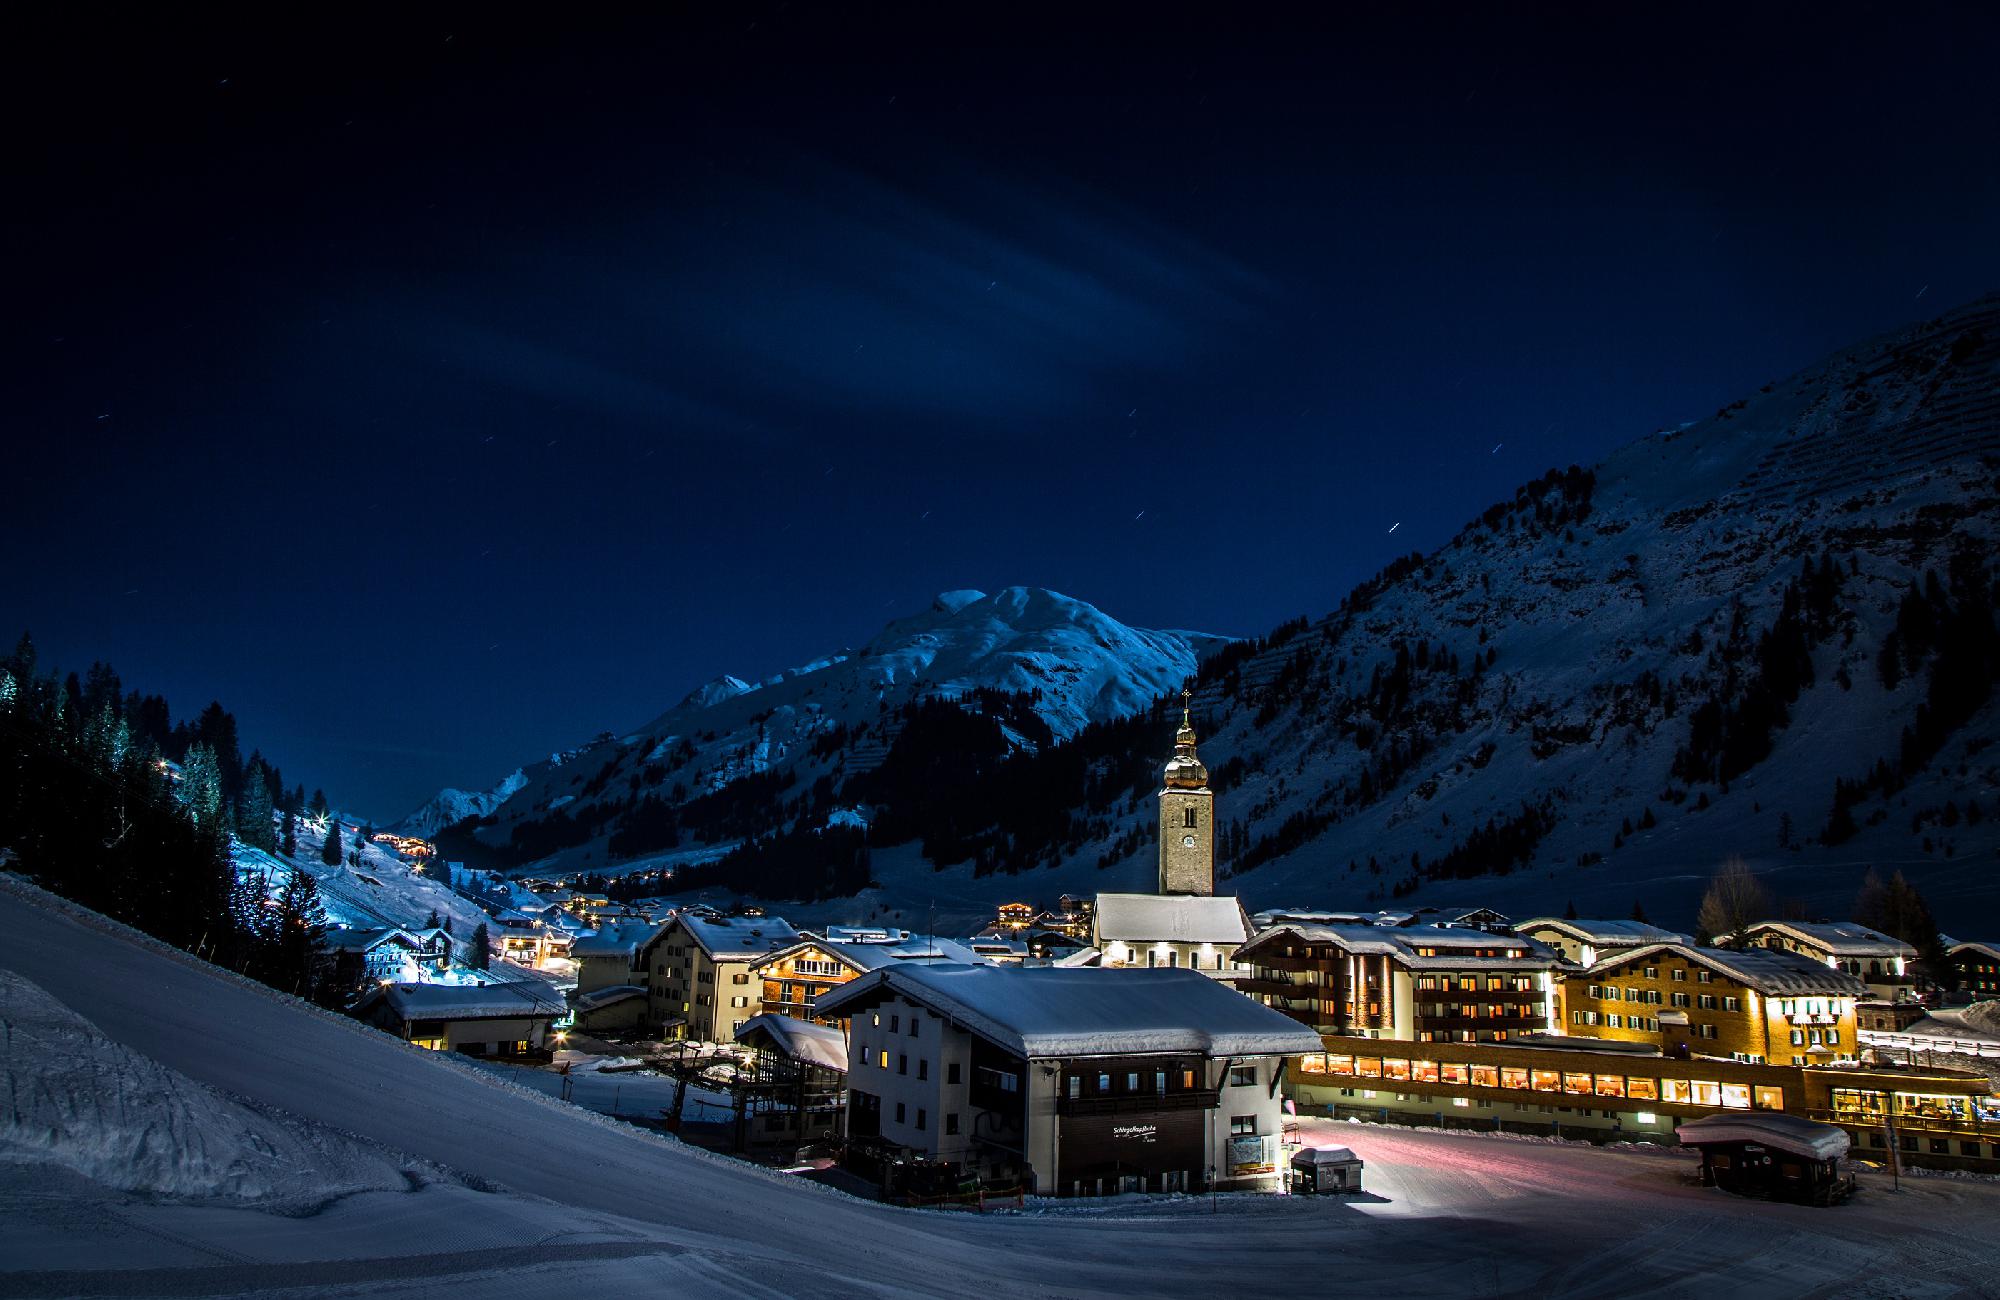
{"type": "Point", "coordinates": [1187, 841]}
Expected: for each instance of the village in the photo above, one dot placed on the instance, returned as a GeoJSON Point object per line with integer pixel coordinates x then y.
{"type": "Point", "coordinates": [1172, 1043]}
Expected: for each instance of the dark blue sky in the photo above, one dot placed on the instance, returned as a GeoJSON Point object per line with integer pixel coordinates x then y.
{"type": "Point", "coordinates": [437, 394]}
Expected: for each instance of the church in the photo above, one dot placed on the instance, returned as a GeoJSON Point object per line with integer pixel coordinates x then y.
{"type": "Point", "coordinates": [1182, 923]}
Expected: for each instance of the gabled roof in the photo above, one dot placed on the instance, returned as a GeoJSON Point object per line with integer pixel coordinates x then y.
{"type": "Point", "coordinates": [520, 999]}
{"type": "Point", "coordinates": [737, 938]}
{"type": "Point", "coordinates": [1788, 1133]}
{"type": "Point", "coordinates": [801, 1040]}
{"type": "Point", "coordinates": [367, 940]}
{"type": "Point", "coordinates": [1841, 938]}
{"type": "Point", "coordinates": [1173, 918]}
{"type": "Point", "coordinates": [1606, 934]}
{"type": "Point", "coordinates": [1770, 971]}
{"type": "Point", "coordinates": [1974, 945]}
{"type": "Point", "coordinates": [863, 957]}
{"type": "Point", "coordinates": [1054, 1011]}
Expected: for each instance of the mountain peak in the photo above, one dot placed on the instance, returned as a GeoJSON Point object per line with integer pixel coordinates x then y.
{"type": "Point", "coordinates": [950, 602]}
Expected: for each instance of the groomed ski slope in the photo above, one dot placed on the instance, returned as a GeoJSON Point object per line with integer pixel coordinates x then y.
{"type": "Point", "coordinates": [519, 1195]}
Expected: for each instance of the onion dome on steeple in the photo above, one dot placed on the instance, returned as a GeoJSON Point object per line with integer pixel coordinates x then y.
{"type": "Point", "coordinates": [1184, 769]}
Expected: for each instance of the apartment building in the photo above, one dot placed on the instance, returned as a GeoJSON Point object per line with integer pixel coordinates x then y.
{"type": "Point", "coordinates": [699, 972]}
{"type": "Point", "coordinates": [1067, 1081]}
{"type": "Point", "coordinates": [1427, 983]}
{"type": "Point", "coordinates": [1752, 1005]}
{"type": "Point", "coordinates": [1880, 960]}
{"type": "Point", "coordinates": [609, 957]}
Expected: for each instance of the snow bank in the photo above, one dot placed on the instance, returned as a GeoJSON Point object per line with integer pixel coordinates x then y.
{"type": "Point", "coordinates": [80, 1101]}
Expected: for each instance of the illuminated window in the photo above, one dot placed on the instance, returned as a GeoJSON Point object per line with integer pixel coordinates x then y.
{"type": "Point", "coordinates": [1642, 1089]}
{"type": "Point", "coordinates": [882, 1061]}
{"type": "Point", "coordinates": [1770, 1098]}
{"type": "Point", "coordinates": [1424, 1071]}
{"type": "Point", "coordinates": [1611, 1085]}
{"type": "Point", "coordinates": [1485, 1076]}
{"type": "Point", "coordinates": [1573, 1082]}
{"type": "Point", "coordinates": [1337, 1064]}
{"type": "Point", "coordinates": [1544, 1080]}
{"type": "Point", "coordinates": [1368, 1067]}
{"type": "Point", "coordinates": [1513, 1076]}
{"type": "Point", "coordinates": [1391, 1069]}
{"type": "Point", "coordinates": [1736, 1095]}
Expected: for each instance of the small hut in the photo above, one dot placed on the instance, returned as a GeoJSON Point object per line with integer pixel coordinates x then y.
{"type": "Point", "coordinates": [1774, 1156]}
{"type": "Point", "coordinates": [1326, 1169]}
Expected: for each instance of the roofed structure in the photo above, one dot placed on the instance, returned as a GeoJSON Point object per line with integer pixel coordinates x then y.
{"type": "Point", "coordinates": [1051, 1011]}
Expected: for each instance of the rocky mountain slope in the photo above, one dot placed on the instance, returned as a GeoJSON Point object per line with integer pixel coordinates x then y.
{"type": "Point", "coordinates": [1768, 633]}
{"type": "Point", "coordinates": [735, 759]}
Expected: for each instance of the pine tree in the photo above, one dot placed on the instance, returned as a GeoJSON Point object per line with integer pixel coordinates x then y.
{"type": "Point", "coordinates": [329, 851]}
{"type": "Point", "coordinates": [201, 787]}
{"type": "Point", "coordinates": [475, 951]}
{"type": "Point", "coordinates": [299, 955]}
{"type": "Point", "coordinates": [319, 804]}
{"type": "Point", "coordinates": [253, 812]}
{"type": "Point", "coordinates": [1639, 912]}
{"type": "Point", "coordinates": [1569, 913]}
{"type": "Point", "coordinates": [289, 844]}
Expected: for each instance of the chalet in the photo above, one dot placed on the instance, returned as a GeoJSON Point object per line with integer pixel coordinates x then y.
{"type": "Point", "coordinates": [1977, 966]}
{"type": "Point", "coordinates": [500, 1020]}
{"type": "Point", "coordinates": [1756, 1004]}
{"type": "Point", "coordinates": [698, 971]}
{"type": "Point", "coordinates": [1077, 1081]}
{"type": "Point", "coordinates": [1880, 960]}
{"type": "Point", "coordinates": [361, 957]}
{"type": "Point", "coordinates": [1426, 983]}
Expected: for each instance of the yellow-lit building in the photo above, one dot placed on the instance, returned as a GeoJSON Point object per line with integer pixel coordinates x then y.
{"type": "Point", "coordinates": [1752, 1005]}
{"type": "Point", "coordinates": [1601, 1088]}
{"type": "Point", "coordinates": [699, 972]}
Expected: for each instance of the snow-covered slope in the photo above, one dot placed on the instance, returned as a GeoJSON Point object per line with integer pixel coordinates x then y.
{"type": "Point", "coordinates": [571, 1202]}
{"type": "Point", "coordinates": [91, 1105]}
{"type": "Point", "coordinates": [1069, 664]}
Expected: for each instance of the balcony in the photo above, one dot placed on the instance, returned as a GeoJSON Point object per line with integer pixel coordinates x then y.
{"type": "Point", "coordinates": [1264, 983]}
{"type": "Point", "coordinates": [1144, 1103]}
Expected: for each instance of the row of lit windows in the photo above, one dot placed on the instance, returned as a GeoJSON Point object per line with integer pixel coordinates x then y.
{"type": "Point", "coordinates": [1472, 983]}
{"type": "Point", "coordinates": [1690, 1092]}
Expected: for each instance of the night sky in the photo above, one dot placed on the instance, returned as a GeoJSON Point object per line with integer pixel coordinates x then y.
{"type": "Point", "coordinates": [437, 394]}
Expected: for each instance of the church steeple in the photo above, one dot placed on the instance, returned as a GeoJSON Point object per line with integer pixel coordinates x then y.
{"type": "Point", "coordinates": [1187, 816]}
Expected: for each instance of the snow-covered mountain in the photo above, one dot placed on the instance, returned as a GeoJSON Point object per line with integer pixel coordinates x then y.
{"type": "Point", "coordinates": [1766, 633]}
{"type": "Point", "coordinates": [450, 805]}
{"type": "Point", "coordinates": [1045, 664]}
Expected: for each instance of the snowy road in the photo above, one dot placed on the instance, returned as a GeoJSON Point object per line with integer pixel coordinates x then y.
{"type": "Point", "coordinates": [554, 1198]}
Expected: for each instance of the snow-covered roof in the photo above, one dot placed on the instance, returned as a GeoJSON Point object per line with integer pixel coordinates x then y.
{"type": "Point", "coordinates": [1840, 938]}
{"type": "Point", "coordinates": [1311, 1156]}
{"type": "Point", "coordinates": [1418, 947]}
{"type": "Point", "coordinates": [1045, 1011]}
{"type": "Point", "coordinates": [869, 955]}
{"type": "Point", "coordinates": [802, 1040]}
{"type": "Point", "coordinates": [1606, 934]}
{"type": "Point", "coordinates": [1770, 971]}
{"type": "Point", "coordinates": [1788, 1133]}
{"type": "Point", "coordinates": [598, 999]}
{"type": "Point", "coordinates": [1955, 949]}
{"type": "Point", "coordinates": [1174, 918]}
{"type": "Point", "coordinates": [613, 940]}
{"type": "Point", "coordinates": [738, 938]}
{"type": "Point", "coordinates": [365, 940]}
{"type": "Point", "coordinates": [521, 998]}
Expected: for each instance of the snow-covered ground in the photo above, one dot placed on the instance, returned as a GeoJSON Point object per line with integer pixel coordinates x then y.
{"type": "Point", "coordinates": [524, 1196]}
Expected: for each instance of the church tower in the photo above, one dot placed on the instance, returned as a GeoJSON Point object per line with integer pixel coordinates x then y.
{"type": "Point", "coordinates": [1187, 818]}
